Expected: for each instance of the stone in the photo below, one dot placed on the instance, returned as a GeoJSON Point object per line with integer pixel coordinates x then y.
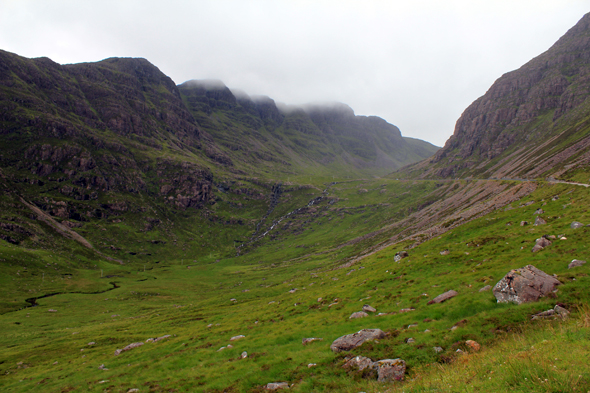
{"type": "Point", "coordinates": [540, 244]}
{"type": "Point", "coordinates": [351, 341]}
{"type": "Point", "coordinates": [539, 211]}
{"type": "Point", "coordinates": [244, 355]}
{"type": "Point", "coordinates": [390, 370]}
{"type": "Point", "coordinates": [445, 252]}
{"type": "Point", "coordinates": [562, 312]}
{"type": "Point", "coordinates": [523, 223]}
{"type": "Point", "coordinates": [128, 347]}
{"type": "Point", "coordinates": [575, 263]}
{"type": "Point", "coordinates": [162, 338]}
{"type": "Point", "coordinates": [437, 349]}
{"type": "Point", "coordinates": [91, 343]}
{"type": "Point", "coordinates": [277, 385]}
{"type": "Point", "coordinates": [443, 297]}
{"type": "Point", "coordinates": [51, 310]}
{"type": "Point", "coordinates": [310, 365]}
{"type": "Point", "coordinates": [486, 288]}
{"type": "Point", "coordinates": [406, 309]}
{"type": "Point", "coordinates": [523, 285]}
{"type": "Point", "coordinates": [410, 340]}
{"type": "Point", "coordinates": [133, 390]}
{"type": "Point", "coordinates": [234, 338]}
{"type": "Point", "coordinates": [367, 308]}
{"type": "Point", "coordinates": [359, 362]}
{"type": "Point", "coordinates": [102, 367]}
{"type": "Point", "coordinates": [306, 341]}
{"type": "Point", "coordinates": [400, 255]}
{"type": "Point", "coordinates": [539, 221]}
{"type": "Point", "coordinates": [474, 345]}
{"type": "Point", "coordinates": [359, 314]}
{"type": "Point", "coordinates": [576, 225]}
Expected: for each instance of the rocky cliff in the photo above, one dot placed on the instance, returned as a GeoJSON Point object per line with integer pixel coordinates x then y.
{"type": "Point", "coordinates": [531, 122]}
{"type": "Point", "coordinates": [256, 130]}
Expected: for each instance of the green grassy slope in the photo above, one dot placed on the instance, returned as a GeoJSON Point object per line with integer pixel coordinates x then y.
{"type": "Point", "coordinates": [192, 301]}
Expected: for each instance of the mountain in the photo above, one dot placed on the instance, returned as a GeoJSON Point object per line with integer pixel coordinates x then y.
{"type": "Point", "coordinates": [533, 122]}
{"type": "Point", "coordinates": [306, 139]}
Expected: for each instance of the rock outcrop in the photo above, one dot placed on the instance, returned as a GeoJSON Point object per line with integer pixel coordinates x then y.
{"type": "Point", "coordinates": [351, 341]}
{"type": "Point", "coordinates": [524, 285]}
{"type": "Point", "coordinates": [444, 297]}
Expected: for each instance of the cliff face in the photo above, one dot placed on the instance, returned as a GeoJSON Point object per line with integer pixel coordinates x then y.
{"type": "Point", "coordinates": [255, 130]}
{"type": "Point", "coordinates": [522, 111]}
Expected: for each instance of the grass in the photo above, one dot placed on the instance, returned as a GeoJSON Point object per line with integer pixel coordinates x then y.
{"type": "Point", "coordinates": [276, 288]}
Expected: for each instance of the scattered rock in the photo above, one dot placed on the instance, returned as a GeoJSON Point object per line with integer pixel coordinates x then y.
{"type": "Point", "coordinates": [351, 341]}
{"type": "Point", "coordinates": [162, 338]}
{"type": "Point", "coordinates": [474, 345]}
{"type": "Point", "coordinates": [306, 341]}
{"type": "Point", "coordinates": [102, 367]}
{"type": "Point", "coordinates": [391, 370]}
{"type": "Point", "coordinates": [523, 285]}
{"type": "Point", "coordinates": [310, 365]}
{"type": "Point", "coordinates": [358, 314]}
{"type": "Point", "coordinates": [562, 312]}
{"type": "Point", "coordinates": [407, 309]}
{"type": "Point", "coordinates": [523, 223]}
{"type": "Point", "coordinates": [359, 362]}
{"type": "Point", "coordinates": [277, 385]}
{"type": "Point", "coordinates": [539, 221]}
{"type": "Point", "coordinates": [244, 355]}
{"type": "Point", "coordinates": [91, 343]}
{"type": "Point", "coordinates": [445, 252]}
{"type": "Point", "coordinates": [539, 211]}
{"type": "Point", "coordinates": [400, 255]}
{"type": "Point", "coordinates": [575, 263]}
{"type": "Point", "coordinates": [437, 349]}
{"type": "Point", "coordinates": [486, 288]}
{"type": "Point", "coordinates": [128, 347]}
{"type": "Point", "coordinates": [367, 308]}
{"type": "Point", "coordinates": [410, 340]}
{"type": "Point", "coordinates": [51, 310]}
{"type": "Point", "coordinates": [557, 311]}
{"type": "Point", "coordinates": [540, 244]}
{"type": "Point", "coordinates": [293, 290]}
{"type": "Point", "coordinates": [134, 390]}
{"type": "Point", "coordinates": [556, 197]}
{"type": "Point", "coordinates": [576, 225]}
{"type": "Point", "coordinates": [234, 338]}
{"type": "Point", "coordinates": [443, 297]}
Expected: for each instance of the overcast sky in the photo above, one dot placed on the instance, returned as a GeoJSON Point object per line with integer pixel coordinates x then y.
{"type": "Point", "coordinates": [416, 63]}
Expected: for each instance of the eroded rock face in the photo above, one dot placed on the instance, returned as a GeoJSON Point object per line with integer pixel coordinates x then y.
{"type": "Point", "coordinates": [351, 341]}
{"type": "Point", "coordinates": [443, 297]}
{"type": "Point", "coordinates": [524, 285]}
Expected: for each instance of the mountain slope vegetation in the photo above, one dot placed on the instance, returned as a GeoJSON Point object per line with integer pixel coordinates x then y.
{"type": "Point", "coordinates": [215, 232]}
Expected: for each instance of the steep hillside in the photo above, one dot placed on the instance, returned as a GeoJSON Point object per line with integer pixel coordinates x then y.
{"type": "Point", "coordinates": [293, 140]}
{"type": "Point", "coordinates": [533, 122]}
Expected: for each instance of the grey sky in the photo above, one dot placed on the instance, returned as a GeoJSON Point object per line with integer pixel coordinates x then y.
{"type": "Point", "coordinates": [416, 63]}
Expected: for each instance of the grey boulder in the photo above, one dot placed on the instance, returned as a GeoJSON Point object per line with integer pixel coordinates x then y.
{"type": "Point", "coordinates": [351, 341]}
{"type": "Point", "coordinates": [523, 285]}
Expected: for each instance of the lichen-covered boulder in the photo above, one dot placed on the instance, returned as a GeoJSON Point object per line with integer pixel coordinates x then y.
{"type": "Point", "coordinates": [391, 370]}
{"type": "Point", "coordinates": [351, 341]}
{"type": "Point", "coordinates": [524, 285]}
